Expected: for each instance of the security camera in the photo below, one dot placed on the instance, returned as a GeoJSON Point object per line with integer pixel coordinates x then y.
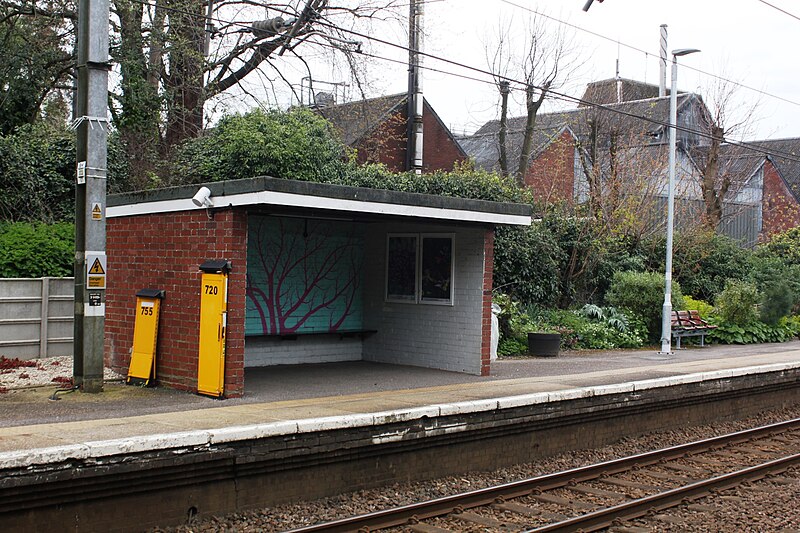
{"type": "Point", "coordinates": [202, 198]}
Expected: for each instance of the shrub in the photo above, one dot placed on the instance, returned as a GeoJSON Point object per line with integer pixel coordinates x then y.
{"type": "Point", "coordinates": [642, 293]}
{"type": "Point", "coordinates": [36, 250]}
{"type": "Point", "coordinates": [785, 245]}
{"type": "Point", "coordinates": [737, 303]}
{"type": "Point", "coordinates": [702, 262]}
{"type": "Point", "coordinates": [508, 347]}
{"type": "Point", "coordinates": [526, 264]}
{"type": "Point", "coordinates": [595, 328]}
{"type": "Point", "coordinates": [767, 271]}
{"type": "Point", "coordinates": [777, 303]}
{"type": "Point", "coordinates": [37, 174]}
{"type": "Point", "coordinates": [297, 144]}
{"type": "Point", "coordinates": [784, 330]}
{"type": "Point", "coordinates": [704, 308]}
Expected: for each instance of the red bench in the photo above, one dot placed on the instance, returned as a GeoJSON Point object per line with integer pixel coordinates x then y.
{"type": "Point", "coordinates": [689, 324]}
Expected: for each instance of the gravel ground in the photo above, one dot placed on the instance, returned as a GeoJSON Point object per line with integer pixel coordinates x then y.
{"type": "Point", "coordinates": [20, 375]}
{"type": "Point", "coordinates": [762, 512]}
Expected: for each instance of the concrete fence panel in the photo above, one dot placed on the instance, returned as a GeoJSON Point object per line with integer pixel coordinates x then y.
{"type": "Point", "coordinates": [36, 317]}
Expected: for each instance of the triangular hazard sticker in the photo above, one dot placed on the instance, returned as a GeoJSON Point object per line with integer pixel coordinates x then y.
{"type": "Point", "coordinates": [97, 268]}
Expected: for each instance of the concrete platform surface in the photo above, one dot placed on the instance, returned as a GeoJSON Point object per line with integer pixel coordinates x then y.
{"type": "Point", "coordinates": [277, 398]}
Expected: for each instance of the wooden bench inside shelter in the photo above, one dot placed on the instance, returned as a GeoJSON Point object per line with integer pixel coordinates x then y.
{"type": "Point", "coordinates": [689, 324]}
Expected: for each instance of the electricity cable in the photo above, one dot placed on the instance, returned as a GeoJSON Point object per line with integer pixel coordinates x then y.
{"type": "Point", "coordinates": [557, 95]}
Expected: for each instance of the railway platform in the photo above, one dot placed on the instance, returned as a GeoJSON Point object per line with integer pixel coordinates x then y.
{"type": "Point", "coordinates": [309, 431]}
{"type": "Point", "coordinates": [287, 394]}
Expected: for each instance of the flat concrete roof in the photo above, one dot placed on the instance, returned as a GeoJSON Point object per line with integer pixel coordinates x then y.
{"type": "Point", "coordinates": [283, 193]}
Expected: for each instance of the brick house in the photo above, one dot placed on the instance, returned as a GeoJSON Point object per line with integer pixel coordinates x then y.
{"type": "Point", "coordinates": [573, 147]}
{"type": "Point", "coordinates": [319, 273]}
{"type": "Point", "coordinates": [781, 179]}
{"type": "Point", "coordinates": [376, 129]}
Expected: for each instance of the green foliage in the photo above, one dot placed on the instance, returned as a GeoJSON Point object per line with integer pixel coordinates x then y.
{"type": "Point", "coordinates": [610, 316]}
{"type": "Point", "coordinates": [777, 303]}
{"type": "Point", "coordinates": [37, 174]}
{"type": "Point", "coordinates": [526, 264]}
{"type": "Point", "coordinates": [737, 303]}
{"type": "Point", "coordinates": [770, 272]}
{"type": "Point", "coordinates": [783, 245]}
{"type": "Point", "coordinates": [704, 308]}
{"type": "Point", "coordinates": [36, 250]}
{"type": "Point", "coordinates": [512, 346]}
{"type": "Point", "coordinates": [297, 144]}
{"type": "Point", "coordinates": [587, 329]}
{"type": "Point", "coordinates": [642, 293]}
{"type": "Point", "coordinates": [34, 62]}
{"type": "Point", "coordinates": [459, 183]}
{"type": "Point", "coordinates": [784, 330]}
{"type": "Point", "coordinates": [702, 262]}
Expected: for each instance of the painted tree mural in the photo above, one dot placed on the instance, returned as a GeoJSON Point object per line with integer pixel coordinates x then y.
{"type": "Point", "coordinates": [303, 276]}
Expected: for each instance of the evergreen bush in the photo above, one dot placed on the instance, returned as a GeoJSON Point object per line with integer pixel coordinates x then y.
{"type": "Point", "coordinates": [737, 303]}
{"type": "Point", "coordinates": [34, 250]}
{"type": "Point", "coordinates": [642, 293]}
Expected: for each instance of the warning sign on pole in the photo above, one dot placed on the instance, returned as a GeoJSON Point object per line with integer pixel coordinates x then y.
{"type": "Point", "coordinates": [80, 174]}
{"type": "Point", "coordinates": [97, 212]}
{"type": "Point", "coordinates": [95, 270]}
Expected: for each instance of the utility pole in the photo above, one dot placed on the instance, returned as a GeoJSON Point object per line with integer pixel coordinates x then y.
{"type": "Point", "coordinates": [91, 123]}
{"type": "Point", "coordinates": [415, 100]}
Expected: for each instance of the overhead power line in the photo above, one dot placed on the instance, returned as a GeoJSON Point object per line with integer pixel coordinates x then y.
{"type": "Point", "coordinates": [773, 6]}
{"type": "Point", "coordinates": [566, 97]}
{"type": "Point", "coordinates": [496, 78]}
{"type": "Point", "coordinates": [650, 55]}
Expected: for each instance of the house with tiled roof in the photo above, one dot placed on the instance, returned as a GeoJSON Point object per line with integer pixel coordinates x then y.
{"type": "Point", "coordinates": [616, 140]}
{"type": "Point", "coordinates": [376, 128]}
{"type": "Point", "coordinates": [780, 176]}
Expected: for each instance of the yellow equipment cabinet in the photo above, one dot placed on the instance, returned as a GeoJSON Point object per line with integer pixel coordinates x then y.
{"type": "Point", "coordinates": [145, 337]}
{"type": "Point", "coordinates": [213, 321]}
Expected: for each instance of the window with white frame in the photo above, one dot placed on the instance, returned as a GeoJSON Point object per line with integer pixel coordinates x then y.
{"type": "Point", "coordinates": [419, 268]}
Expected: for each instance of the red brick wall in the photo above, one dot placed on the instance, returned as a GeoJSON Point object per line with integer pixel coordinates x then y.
{"type": "Point", "coordinates": [164, 251]}
{"type": "Point", "coordinates": [488, 272]}
{"type": "Point", "coordinates": [551, 176]}
{"type": "Point", "coordinates": [780, 210]}
{"type": "Point", "coordinates": [387, 144]}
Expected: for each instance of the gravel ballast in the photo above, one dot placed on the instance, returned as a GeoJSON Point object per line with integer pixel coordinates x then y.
{"type": "Point", "coordinates": [285, 517]}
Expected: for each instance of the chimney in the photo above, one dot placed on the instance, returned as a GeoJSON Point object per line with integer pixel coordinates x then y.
{"type": "Point", "coordinates": [662, 82]}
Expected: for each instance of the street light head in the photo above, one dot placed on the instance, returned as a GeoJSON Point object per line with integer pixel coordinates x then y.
{"type": "Point", "coordinates": [684, 51]}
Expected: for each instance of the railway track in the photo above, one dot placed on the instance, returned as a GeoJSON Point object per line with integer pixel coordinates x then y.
{"type": "Point", "coordinates": [598, 496]}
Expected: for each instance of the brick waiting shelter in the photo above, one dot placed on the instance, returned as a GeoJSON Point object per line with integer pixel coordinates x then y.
{"type": "Point", "coordinates": [319, 273]}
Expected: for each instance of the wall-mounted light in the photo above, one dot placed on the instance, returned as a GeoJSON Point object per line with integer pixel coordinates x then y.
{"type": "Point", "coordinates": [202, 198]}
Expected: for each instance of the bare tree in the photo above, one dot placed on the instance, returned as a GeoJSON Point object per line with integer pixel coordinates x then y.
{"type": "Point", "coordinates": [174, 56]}
{"type": "Point", "coordinates": [722, 172]}
{"type": "Point", "coordinates": [621, 171]}
{"type": "Point", "coordinates": [543, 61]}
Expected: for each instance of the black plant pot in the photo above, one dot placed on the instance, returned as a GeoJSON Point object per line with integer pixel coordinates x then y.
{"type": "Point", "coordinates": [544, 344]}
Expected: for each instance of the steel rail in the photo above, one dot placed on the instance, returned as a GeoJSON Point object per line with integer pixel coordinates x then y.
{"type": "Point", "coordinates": [604, 518]}
{"type": "Point", "coordinates": [399, 516]}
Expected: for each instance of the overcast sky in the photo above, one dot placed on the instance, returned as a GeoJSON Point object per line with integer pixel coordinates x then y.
{"type": "Point", "coordinates": [743, 40]}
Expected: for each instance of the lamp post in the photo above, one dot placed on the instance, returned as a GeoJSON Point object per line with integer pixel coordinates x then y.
{"type": "Point", "coordinates": [666, 322]}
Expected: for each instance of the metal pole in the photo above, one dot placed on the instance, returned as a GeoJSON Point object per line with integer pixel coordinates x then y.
{"type": "Point", "coordinates": [415, 99]}
{"type": "Point", "coordinates": [90, 193]}
{"type": "Point", "coordinates": [662, 63]}
{"type": "Point", "coordinates": [666, 321]}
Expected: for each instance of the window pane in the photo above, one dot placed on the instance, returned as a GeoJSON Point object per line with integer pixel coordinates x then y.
{"type": "Point", "coordinates": [437, 269]}
{"type": "Point", "coordinates": [401, 268]}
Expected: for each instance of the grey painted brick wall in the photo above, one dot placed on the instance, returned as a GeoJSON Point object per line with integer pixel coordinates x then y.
{"type": "Point", "coordinates": [433, 336]}
{"type": "Point", "coordinates": [266, 351]}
